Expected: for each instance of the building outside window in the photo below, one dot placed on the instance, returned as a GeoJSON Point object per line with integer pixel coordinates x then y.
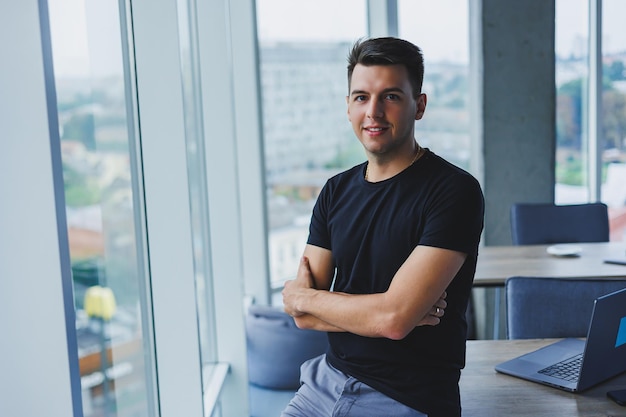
{"type": "Point", "coordinates": [307, 137]}
{"type": "Point", "coordinates": [444, 40]}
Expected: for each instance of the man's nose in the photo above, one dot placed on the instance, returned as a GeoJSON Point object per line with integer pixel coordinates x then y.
{"type": "Point", "coordinates": [375, 109]}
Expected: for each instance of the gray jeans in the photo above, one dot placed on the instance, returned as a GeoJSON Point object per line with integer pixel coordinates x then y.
{"type": "Point", "coordinates": [328, 392]}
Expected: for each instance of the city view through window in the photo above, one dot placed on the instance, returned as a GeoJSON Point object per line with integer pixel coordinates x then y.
{"type": "Point", "coordinates": [97, 127]}
{"type": "Point", "coordinates": [572, 78]}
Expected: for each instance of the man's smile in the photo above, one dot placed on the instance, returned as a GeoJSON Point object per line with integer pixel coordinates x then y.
{"type": "Point", "coordinates": [375, 129]}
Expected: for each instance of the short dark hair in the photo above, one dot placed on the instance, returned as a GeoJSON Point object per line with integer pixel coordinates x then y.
{"type": "Point", "coordinates": [389, 51]}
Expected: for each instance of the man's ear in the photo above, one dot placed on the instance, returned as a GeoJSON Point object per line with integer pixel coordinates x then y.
{"type": "Point", "coordinates": [348, 106]}
{"type": "Point", "coordinates": [421, 106]}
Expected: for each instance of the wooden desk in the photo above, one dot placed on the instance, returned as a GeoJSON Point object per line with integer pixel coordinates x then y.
{"type": "Point", "coordinates": [486, 393]}
{"type": "Point", "coordinates": [497, 263]}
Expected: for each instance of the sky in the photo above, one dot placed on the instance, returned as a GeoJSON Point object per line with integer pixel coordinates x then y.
{"type": "Point", "coordinates": [428, 23]}
{"type": "Point", "coordinates": [85, 37]}
{"type": "Point", "coordinates": [80, 27]}
{"type": "Point", "coordinates": [571, 25]}
{"type": "Point", "coordinates": [439, 27]}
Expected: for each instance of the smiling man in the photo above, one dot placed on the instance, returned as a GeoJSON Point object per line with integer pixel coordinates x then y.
{"type": "Point", "coordinates": [392, 243]}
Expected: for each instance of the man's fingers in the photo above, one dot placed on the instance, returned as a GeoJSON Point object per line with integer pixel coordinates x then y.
{"type": "Point", "coordinates": [437, 312]}
{"type": "Point", "coordinates": [429, 320]}
{"type": "Point", "coordinates": [304, 264]}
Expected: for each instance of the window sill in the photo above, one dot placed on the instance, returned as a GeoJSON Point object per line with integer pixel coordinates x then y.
{"type": "Point", "coordinates": [213, 376]}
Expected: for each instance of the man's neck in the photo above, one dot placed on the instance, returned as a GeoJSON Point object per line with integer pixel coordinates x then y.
{"type": "Point", "coordinates": [378, 170]}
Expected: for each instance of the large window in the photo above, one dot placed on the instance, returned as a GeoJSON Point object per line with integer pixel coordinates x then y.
{"type": "Point", "coordinates": [307, 137]}
{"type": "Point", "coordinates": [572, 72]}
{"type": "Point", "coordinates": [97, 122]}
{"type": "Point", "coordinates": [444, 39]}
{"type": "Point", "coordinates": [576, 141]}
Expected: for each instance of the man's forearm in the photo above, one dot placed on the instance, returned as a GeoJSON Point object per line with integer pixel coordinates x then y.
{"type": "Point", "coordinates": [368, 315]}
{"type": "Point", "coordinates": [308, 321]}
{"type": "Point", "coordinates": [415, 297]}
{"type": "Point", "coordinates": [359, 314]}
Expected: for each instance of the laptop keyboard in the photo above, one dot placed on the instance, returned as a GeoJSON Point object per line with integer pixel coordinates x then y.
{"type": "Point", "coordinates": [567, 369]}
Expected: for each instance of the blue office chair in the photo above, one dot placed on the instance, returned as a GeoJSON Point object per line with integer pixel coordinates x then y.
{"type": "Point", "coordinates": [276, 348]}
{"type": "Point", "coordinates": [553, 307]}
{"type": "Point", "coordinates": [539, 223]}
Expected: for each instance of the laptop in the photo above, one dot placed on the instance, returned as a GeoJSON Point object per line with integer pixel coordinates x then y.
{"type": "Point", "coordinates": [576, 364]}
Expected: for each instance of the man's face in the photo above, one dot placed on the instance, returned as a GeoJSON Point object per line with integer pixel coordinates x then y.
{"type": "Point", "coordinates": [382, 109]}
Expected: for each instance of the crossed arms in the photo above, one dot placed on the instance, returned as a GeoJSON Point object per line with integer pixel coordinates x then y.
{"type": "Point", "coordinates": [416, 291]}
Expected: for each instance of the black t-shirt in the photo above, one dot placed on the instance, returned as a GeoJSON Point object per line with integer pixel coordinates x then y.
{"type": "Point", "coordinates": [371, 229]}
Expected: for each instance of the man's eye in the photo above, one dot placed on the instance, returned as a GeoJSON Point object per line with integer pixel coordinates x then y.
{"type": "Point", "coordinates": [360, 98]}
{"type": "Point", "coordinates": [391, 97]}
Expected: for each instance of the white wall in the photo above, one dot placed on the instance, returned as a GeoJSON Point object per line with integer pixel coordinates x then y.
{"type": "Point", "coordinates": [34, 361]}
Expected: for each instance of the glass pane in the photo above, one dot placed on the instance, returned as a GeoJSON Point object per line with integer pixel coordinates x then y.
{"type": "Point", "coordinates": [443, 37]}
{"type": "Point", "coordinates": [104, 206]}
{"type": "Point", "coordinates": [572, 71]}
{"type": "Point", "coordinates": [197, 179]}
{"type": "Point", "coordinates": [307, 137]}
{"type": "Point", "coordinates": [614, 115]}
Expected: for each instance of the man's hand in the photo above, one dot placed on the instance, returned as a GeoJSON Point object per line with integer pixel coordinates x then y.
{"type": "Point", "coordinates": [292, 289]}
{"type": "Point", "coordinates": [433, 317]}
{"type": "Point", "coordinates": [305, 285]}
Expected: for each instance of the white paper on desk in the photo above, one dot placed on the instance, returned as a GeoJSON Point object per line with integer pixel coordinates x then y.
{"type": "Point", "coordinates": [564, 250]}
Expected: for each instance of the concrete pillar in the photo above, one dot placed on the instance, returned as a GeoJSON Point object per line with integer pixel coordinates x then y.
{"type": "Point", "coordinates": [517, 86]}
